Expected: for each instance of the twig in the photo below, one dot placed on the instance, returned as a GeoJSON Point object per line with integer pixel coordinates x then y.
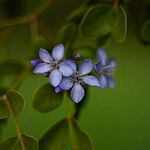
{"type": "Point", "coordinates": [39, 10]}
{"type": "Point", "coordinates": [15, 121]}
{"type": "Point", "coordinates": [115, 5]}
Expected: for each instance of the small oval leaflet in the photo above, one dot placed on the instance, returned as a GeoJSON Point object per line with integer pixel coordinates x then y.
{"type": "Point", "coordinates": [16, 101]}
{"type": "Point", "coordinates": [45, 99]}
{"type": "Point", "coordinates": [101, 20]}
{"type": "Point", "coordinates": [56, 137]}
{"type": "Point", "coordinates": [65, 134]}
{"type": "Point", "coordinates": [30, 143]}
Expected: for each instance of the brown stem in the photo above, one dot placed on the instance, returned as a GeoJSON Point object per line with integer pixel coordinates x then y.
{"type": "Point", "coordinates": [15, 21]}
{"type": "Point", "coordinates": [16, 124]}
{"type": "Point", "coordinates": [34, 32]}
{"type": "Point", "coordinates": [39, 10]}
{"type": "Point", "coordinates": [116, 4]}
{"type": "Point", "coordinates": [26, 18]}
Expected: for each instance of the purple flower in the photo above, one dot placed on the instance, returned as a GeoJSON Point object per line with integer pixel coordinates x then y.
{"type": "Point", "coordinates": [78, 79]}
{"type": "Point", "coordinates": [105, 68]}
{"type": "Point", "coordinates": [52, 65]}
{"type": "Point", "coordinates": [35, 62]}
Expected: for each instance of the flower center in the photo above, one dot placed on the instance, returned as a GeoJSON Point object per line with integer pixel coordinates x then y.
{"type": "Point", "coordinates": [77, 78]}
{"type": "Point", "coordinates": [55, 64]}
{"type": "Point", "coordinates": [105, 71]}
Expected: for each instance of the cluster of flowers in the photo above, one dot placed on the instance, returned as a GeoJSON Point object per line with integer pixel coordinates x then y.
{"type": "Point", "coordinates": [66, 75]}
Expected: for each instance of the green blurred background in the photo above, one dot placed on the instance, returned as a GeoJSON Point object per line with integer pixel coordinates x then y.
{"type": "Point", "coordinates": [116, 119]}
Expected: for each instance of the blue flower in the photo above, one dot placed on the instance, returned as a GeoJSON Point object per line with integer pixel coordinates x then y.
{"type": "Point", "coordinates": [105, 68]}
{"type": "Point", "coordinates": [35, 62]}
{"type": "Point", "coordinates": [52, 65]}
{"type": "Point", "coordinates": [78, 79]}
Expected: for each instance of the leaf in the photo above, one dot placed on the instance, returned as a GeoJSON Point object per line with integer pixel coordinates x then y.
{"type": "Point", "coordinates": [145, 32]}
{"type": "Point", "coordinates": [67, 33]}
{"type": "Point", "coordinates": [4, 114]}
{"type": "Point", "coordinates": [119, 32]}
{"type": "Point", "coordinates": [60, 135]}
{"type": "Point", "coordinates": [97, 21]}
{"type": "Point", "coordinates": [48, 18]}
{"type": "Point", "coordinates": [77, 15]}
{"type": "Point", "coordinates": [16, 101]}
{"type": "Point", "coordinates": [45, 99]}
{"type": "Point", "coordinates": [56, 137]}
{"type": "Point", "coordinates": [82, 141]}
{"type": "Point", "coordinates": [10, 67]}
{"type": "Point", "coordinates": [101, 20]}
{"type": "Point", "coordinates": [30, 143]}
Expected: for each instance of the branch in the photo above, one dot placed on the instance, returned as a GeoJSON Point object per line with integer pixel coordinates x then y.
{"type": "Point", "coordinates": [15, 121]}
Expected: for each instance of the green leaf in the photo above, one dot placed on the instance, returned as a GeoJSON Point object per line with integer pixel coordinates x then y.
{"type": "Point", "coordinates": [97, 21]}
{"type": "Point", "coordinates": [16, 101]}
{"type": "Point", "coordinates": [120, 29]}
{"type": "Point", "coordinates": [63, 135]}
{"type": "Point", "coordinates": [30, 143]}
{"type": "Point", "coordinates": [45, 99]}
{"type": "Point", "coordinates": [145, 32]}
{"type": "Point", "coordinates": [77, 15]}
{"type": "Point", "coordinates": [67, 33]}
{"type": "Point", "coordinates": [4, 114]}
{"type": "Point", "coordinates": [56, 137]}
{"type": "Point", "coordinates": [101, 20]}
{"type": "Point", "coordinates": [10, 67]}
{"type": "Point", "coordinates": [81, 140]}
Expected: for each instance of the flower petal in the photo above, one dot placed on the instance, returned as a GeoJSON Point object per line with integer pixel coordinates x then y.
{"type": "Point", "coordinates": [58, 52]}
{"type": "Point", "coordinates": [42, 68]}
{"type": "Point", "coordinates": [65, 69]}
{"type": "Point", "coordinates": [111, 65]}
{"type": "Point", "coordinates": [66, 83]}
{"type": "Point", "coordinates": [110, 82]}
{"type": "Point", "coordinates": [90, 80]}
{"type": "Point", "coordinates": [55, 77]}
{"type": "Point", "coordinates": [85, 67]}
{"type": "Point", "coordinates": [101, 56]}
{"type": "Point", "coordinates": [72, 64]}
{"type": "Point", "coordinates": [35, 62]}
{"type": "Point", "coordinates": [77, 93]}
{"type": "Point", "coordinates": [98, 67]}
{"type": "Point", "coordinates": [45, 56]}
{"type": "Point", "coordinates": [58, 89]}
{"type": "Point", "coordinates": [102, 82]}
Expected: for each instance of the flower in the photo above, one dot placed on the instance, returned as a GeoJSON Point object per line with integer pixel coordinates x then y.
{"type": "Point", "coordinates": [105, 68]}
{"type": "Point", "coordinates": [52, 65]}
{"type": "Point", "coordinates": [35, 62]}
{"type": "Point", "coordinates": [78, 79]}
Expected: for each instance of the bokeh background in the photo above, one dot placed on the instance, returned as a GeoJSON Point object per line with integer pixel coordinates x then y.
{"type": "Point", "coordinates": [116, 119]}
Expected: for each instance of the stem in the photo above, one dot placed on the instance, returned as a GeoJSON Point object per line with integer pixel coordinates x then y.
{"type": "Point", "coordinates": [26, 18]}
{"type": "Point", "coordinates": [69, 120]}
{"type": "Point", "coordinates": [20, 78]}
{"type": "Point", "coordinates": [16, 124]}
{"type": "Point", "coordinates": [68, 106]}
{"type": "Point", "coordinates": [34, 31]}
{"type": "Point", "coordinates": [116, 4]}
{"type": "Point", "coordinates": [39, 10]}
{"type": "Point", "coordinates": [16, 21]}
